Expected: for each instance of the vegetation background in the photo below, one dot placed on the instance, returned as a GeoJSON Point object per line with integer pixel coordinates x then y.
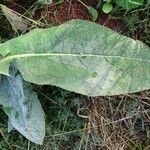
{"type": "Point", "coordinates": [76, 122]}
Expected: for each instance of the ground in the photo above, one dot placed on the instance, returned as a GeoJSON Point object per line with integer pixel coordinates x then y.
{"type": "Point", "coordinates": [74, 121]}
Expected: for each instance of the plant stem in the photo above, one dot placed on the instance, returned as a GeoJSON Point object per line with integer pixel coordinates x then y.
{"type": "Point", "coordinates": [83, 3]}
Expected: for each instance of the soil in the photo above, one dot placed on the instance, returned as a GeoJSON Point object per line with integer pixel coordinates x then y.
{"type": "Point", "coordinates": [67, 10]}
{"type": "Point", "coordinates": [75, 10]}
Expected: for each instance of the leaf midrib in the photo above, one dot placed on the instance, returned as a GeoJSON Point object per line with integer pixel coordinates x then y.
{"type": "Point", "coordinates": [9, 58]}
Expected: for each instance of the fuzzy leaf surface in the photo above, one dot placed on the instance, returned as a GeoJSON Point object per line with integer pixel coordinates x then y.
{"type": "Point", "coordinates": [23, 108]}
{"type": "Point", "coordinates": [82, 57]}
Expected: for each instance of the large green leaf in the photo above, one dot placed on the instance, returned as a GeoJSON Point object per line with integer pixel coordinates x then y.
{"type": "Point", "coordinates": [80, 56]}
{"type": "Point", "coordinates": [23, 108]}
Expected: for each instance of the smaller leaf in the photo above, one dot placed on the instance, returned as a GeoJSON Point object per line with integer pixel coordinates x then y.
{"type": "Point", "coordinates": [15, 19]}
{"type": "Point", "coordinates": [45, 2]}
{"type": "Point", "coordinates": [22, 106]}
{"type": "Point", "coordinates": [93, 12]}
{"type": "Point", "coordinates": [107, 8]}
{"type": "Point", "coordinates": [129, 4]}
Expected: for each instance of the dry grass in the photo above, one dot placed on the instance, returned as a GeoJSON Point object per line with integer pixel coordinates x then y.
{"type": "Point", "coordinates": [118, 123]}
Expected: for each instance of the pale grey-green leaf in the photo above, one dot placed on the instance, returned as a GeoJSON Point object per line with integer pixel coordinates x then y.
{"type": "Point", "coordinates": [23, 108]}
{"type": "Point", "coordinates": [82, 57]}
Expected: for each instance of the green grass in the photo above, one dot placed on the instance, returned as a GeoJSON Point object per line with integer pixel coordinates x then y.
{"type": "Point", "coordinates": [137, 22]}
